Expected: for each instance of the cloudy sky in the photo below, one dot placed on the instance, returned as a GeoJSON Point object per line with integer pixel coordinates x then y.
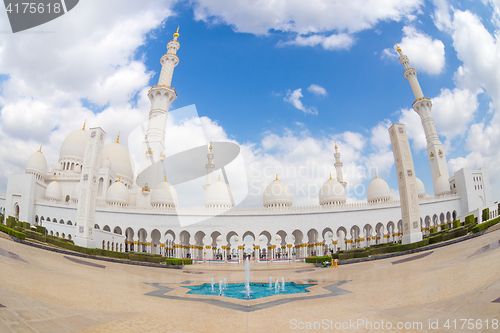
{"type": "Point", "coordinates": [284, 79]}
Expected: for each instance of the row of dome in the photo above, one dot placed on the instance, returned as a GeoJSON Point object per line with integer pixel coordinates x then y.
{"type": "Point", "coordinates": [114, 155]}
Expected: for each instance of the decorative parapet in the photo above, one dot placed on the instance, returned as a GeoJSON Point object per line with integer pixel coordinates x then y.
{"type": "Point", "coordinates": [247, 210]}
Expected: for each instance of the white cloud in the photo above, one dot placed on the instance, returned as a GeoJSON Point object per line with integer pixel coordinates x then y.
{"type": "Point", "coordinates": [333, 42]}
{"type": "Point", "coordinates": [414, 128]}
{"type": "Point", "coordinates": [425, 54]}
{"type": "Point", "coordinates": [88, 55]}
{"type": "Point", "coordinates": [260, 16]}
{"type": "Point", "coordinates": [480, 53]}
{"type": "Point", "coordinates": [328, 23]}
{"type": "Point", "coordinates": [317, 90]}
{"type": "Point", "coordinates": [453, 111]}
{"type": "Point", "coordinates": [293, 97]}
{"type": "Point", "coordinates": [442, 16]}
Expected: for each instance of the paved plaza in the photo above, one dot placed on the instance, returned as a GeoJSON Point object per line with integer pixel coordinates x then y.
{"type": "Point", "coordinates": [43, 291]}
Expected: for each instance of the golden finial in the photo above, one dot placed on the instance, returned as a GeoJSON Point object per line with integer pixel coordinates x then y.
{"type": "Point", "coordinates": [55, 179]}
{"type": "Point", "coordinates": [376, 175]}
{"type": "Point", "coordinates": [219, 177]}
{"type": "Point", "coordinates": [330, 175]}
{"type": "Point", "coordinates": [277, 177]}
{"type": "Point", "coordinates": [84, 123]}
{"type": "Point", "coordinates": [40, 150]}
{"type": "Point", "coordinates": [336, 145]}
{"type": "Point", "coordinates": [177, 32]}
{"type": "Point", "coordinates": [165, 180]}
{"type": "Point", "coordinates": [119, 179]}
{"type": "Point", "coordinates": [397, 47]}
{"type": "Point", "coordinates": [118, 138]}
{"type": "Point", "coordinates": [210, 145]}
{"type": "Point", "coordinates": [439, 173]}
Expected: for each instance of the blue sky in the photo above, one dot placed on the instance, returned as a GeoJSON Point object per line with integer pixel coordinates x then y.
{"type": "Point", "coordinates": [242, 64]}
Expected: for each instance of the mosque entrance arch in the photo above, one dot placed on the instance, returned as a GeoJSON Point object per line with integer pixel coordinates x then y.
{"type": "Point", "coordinates": [16, 211]}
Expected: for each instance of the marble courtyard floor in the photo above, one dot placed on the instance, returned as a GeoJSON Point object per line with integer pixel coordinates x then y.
{"type": "Point", "coordinates": [43, 291]}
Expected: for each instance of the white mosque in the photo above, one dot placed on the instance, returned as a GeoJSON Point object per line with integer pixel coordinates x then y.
{"type": "Point", "coordinates": [92, 197]}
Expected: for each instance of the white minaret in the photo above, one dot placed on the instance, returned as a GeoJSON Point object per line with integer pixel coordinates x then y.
{"type": "Point", "coordinates": [423, 106]}
{"type": "Point", "coordinates": [210, 166]}
{"type": "Point", "coordinates": [161, 96]}
{"type": "Point", "coordinates": [338, 167]}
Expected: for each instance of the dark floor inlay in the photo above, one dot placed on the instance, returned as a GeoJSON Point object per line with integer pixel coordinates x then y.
{"type": "Point", "coordinates": [487, 248]}
{"type": "Point", "coordinates": [305, 270]}
{"type": "Point", "coordinates": [193, 272]}
{"type": "Point", "coordinates": [420, 256]}
{"type": "Point", "coordinates": [2, 306]}
{"type": "Point", "coordinates": [162, 291]}
{"type": "Point", "coordinates": [187, 282]}
{"type": "Point", "coordinates": [11, 255]}
{"type": "Point", "coordinates": [496, 301]}
{"type": "Point", "coordinates": [83, 262]}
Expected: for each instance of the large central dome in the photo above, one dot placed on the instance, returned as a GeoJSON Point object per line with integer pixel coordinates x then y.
{"type": "Point", "coordinates": [121, 162]}
{"type": "Point", "coordinates": [74, 145]}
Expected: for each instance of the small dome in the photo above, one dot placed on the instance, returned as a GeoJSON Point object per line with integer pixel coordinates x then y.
{"type": "Point", "coordinates": [107, 163]}
{"type": "Point", "coordinates": [75, 194]}
{"type": "Point", "coordinates": [118, 194]}
{"type": "Point", "coordinates": [162, 195]}
{"type": "Point", "coordinates": [74, 145]}
{"type": "Point", "coordinates": [51, 170]}
{"type": "Point", "coordinates": [378, 190]}
{"type": "Point", "coordinates": [37, 163]}
{"type": "Point", "coordinates": [332, 192]}
{"type": "Point", "coordinates": [58, 166]}
{"type": "Point", "coordinates": [53, 191]}
{"type": "Point", "coordinates": [277, 193]}
{"type": "Point", "coordinates": [218, 194]}
{"type": "Point", "coordinates": [420, 188]}
{"type": "Point", "coordinates": [441, 186]}
{"type": "Point", "coordinates": [120, 159]}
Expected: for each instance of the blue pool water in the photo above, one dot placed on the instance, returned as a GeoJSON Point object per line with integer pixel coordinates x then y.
{"type": "Point", "coordinates": [257, 290]}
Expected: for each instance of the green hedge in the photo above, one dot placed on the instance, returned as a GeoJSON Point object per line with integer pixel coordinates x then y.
{"type": "Point", "coordinates": [11, 222]}
{"type": "Point", "coordinates": [469, 219]}
{"type": "Point", "coordinates": [41, 230]}
{"type": "Point", "coordinates": [485, 225]}
{"type": "Point", "coordinates": [318, 260]}
{"type": "Point", "coordinates": [2, 217]}
{"type": "Point", "coordinates": [12, 232]}
{"type": "Point", "coordinates": [486, 214]}
{"type": "Point", "coordinates": [36, 236]}
{"type": "Point", "coordinates": [433, 230]}
{"type": "Point", "coordinates": [178, 261]}
{"type": "Point", "coordinates": [444, 226]}
{"type": "Point", "coordinates": [456, 224]}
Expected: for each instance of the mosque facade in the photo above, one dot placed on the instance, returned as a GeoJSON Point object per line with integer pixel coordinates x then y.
{"type": "Point", "coordinates": [92, 197]}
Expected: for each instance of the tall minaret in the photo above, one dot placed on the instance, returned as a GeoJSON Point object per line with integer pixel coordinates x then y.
{"type": "Point", "coordinates": [338, 167]}
{"type": "Point", "coordinates": [423, 106]}
{"type": "Point", "coordinates": [210, 166]}
{"type": "Point", "coordinates": [161, 96]}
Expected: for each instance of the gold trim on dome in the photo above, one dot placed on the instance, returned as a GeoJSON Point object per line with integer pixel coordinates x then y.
{"type": "Point", "coordinates": [162, 155]}
{"type": "Point", "coordinates": [40, 149]}
{"type": "Point", "coordinates": [176, 34]}
{"type": "Point", "coordinates": [84, 123]}
{"type": "Point", "coordinates": [118, 138]}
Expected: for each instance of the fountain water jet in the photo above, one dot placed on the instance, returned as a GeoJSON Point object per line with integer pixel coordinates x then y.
{"type": "Point", "coordinates": [270, 282]}
{"type": "Point", "coordinates": [283, 283]}
{"type": "Point", "coordinates": [220, 288]}
{"type": "Point", "coordinates": [213, 283]}
{"type": "Point", "coordinates": [277, 287]}
{"type": "Point", "coordinates": [247, 278]}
